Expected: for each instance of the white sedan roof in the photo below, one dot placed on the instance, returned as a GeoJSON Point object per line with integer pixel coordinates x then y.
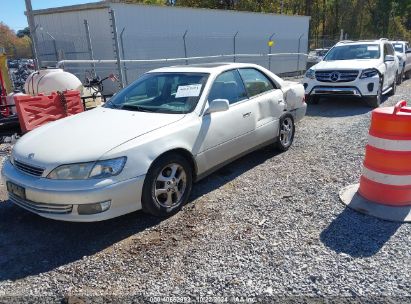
{"type": "Point", "coordinates": [215, 68]}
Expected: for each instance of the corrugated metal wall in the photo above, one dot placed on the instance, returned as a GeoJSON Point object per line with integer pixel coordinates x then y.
{"type": "Point", "coordinates": [157, 32]}
{"type": "Point", "coordinates": [69, 31]}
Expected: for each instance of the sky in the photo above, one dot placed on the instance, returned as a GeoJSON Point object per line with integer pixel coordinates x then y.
{"type": "Point", "coordinates": [12, 11]}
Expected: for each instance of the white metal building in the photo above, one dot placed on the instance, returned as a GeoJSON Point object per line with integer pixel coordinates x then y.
{"type": "Point", "coordinates": [149, 32]}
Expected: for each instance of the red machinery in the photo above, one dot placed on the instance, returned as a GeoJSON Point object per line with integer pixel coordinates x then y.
{"type": "Point", "coordinates": [4, 107]}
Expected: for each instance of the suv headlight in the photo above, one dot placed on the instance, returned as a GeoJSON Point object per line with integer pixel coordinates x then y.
{"type": "Point", "coordinates": [310, 74]}
{"type": "Point", "coordinates": [99, 169]}
{"type": "Point", "coordinates": [367, 73]}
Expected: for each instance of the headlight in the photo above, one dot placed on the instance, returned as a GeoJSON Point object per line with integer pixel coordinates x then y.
{"type": "Point", "coordinates": [99, 169]}
{"type": "Point", "coordinates": [368, 73]}
{"type": "Point", "coordinates": [310, 74]}
{"type": "Point", "coordinates": [106, 168]}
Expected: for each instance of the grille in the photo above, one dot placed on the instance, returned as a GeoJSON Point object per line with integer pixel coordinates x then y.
{"type": "Point", "coordinates": [40, 207]}
{"type": "Point", "coordinates": [343, 76]}
{"type": "Point", "coordinates": [36, 171]}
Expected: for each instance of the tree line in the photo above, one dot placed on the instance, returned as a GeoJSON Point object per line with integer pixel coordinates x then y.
{"type": "Point", "coordinates": [360, 19]}
{"type": "Point", "coordinates": [17, 45]}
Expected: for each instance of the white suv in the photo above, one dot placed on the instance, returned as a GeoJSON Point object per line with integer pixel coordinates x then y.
{"type": "Point", "coordinates": [403, 52]}
{"type": "Point", "coordinates": [365, 69]}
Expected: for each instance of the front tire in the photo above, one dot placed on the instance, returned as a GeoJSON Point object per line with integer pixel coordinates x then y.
{"type": "Point", "coordinates": [393, 86]}
{"type": "Point", "coordinates": [167, 185]}
{"type": "Point", "coordinates": [401, 76]}
{"type": "Point", "coordinates": [375, 101]}
{"type": "Point", "coordinates": [287, 131]}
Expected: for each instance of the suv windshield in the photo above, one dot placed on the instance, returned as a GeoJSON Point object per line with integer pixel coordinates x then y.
{"type": "Point", "coordinates": [398, 47]}
{"type": "Point", "coordinates": [161, 92]}
{"type": "Point", "coordinates": [354, 51]}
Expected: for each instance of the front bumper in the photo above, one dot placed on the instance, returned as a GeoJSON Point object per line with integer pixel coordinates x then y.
{"type": "Point", "coordinates": [356, 88]}
{"type": "Point", "coordinates": [59, 200]}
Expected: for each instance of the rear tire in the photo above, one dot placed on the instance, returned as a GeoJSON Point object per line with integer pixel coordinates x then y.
{"type": "Point", "coordinates": [375, 101]}
{"type": "Point", "coordinates": [408, 75]}
{"type": "Point", "coordinates": [167, 185]}
{"type": "Point", "coordinates": [286, 134]}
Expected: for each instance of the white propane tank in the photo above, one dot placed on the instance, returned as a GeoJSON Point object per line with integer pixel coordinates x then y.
{"type": "Point", "coordinates": [11, 102]}
{"type": "Point", "coordinates": [51, 80]}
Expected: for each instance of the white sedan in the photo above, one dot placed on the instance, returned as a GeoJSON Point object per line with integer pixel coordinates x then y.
{"type": "Point", "coordinates": [151, 141]}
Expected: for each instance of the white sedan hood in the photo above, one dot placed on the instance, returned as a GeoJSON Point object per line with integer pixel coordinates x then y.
{"type": "Point", "coordinates": [87, 136]}
{"type": "Point", "coordinates": [358, 64]}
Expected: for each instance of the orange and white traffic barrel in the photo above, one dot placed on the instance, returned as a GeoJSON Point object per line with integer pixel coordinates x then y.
{"type": "Point", "coordinates": [384, 190]}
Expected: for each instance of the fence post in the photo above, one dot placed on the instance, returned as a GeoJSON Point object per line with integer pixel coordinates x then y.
{"type": "Point", "coordinates": [270, 45]}
{"type": "Point", "coordinates": [55, 48]}
{"type": "Point", "coordinates": [90, 47]}
{"type": "Point", "coordinates": [185, 46]}
{"type": "Point", "coordinates": [123, 56]}
{"type": "Point", "coordinates": [116, 47]}
{"type": "Point", "coordinates": [298, 51]}
{"type": "Point", "coordinates": [33, 28]}
{"type": "Point", "coordinates": [234, 45]}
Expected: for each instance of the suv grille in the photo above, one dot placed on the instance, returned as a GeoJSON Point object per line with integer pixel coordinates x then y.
{"type": "Point", "coordinates": [336, 76]}
{"type": "Point", "coordinates": [36, 171]}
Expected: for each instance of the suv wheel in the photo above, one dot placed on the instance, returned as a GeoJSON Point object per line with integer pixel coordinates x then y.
{"type": "Point", "coordinates": [401, 76]}
{"type": "Point", "coordinates": [408, 75]}
{"type": "Point", "coordinates": [375, 101]}
{"type": "Point", "coordinates": [394, 85]}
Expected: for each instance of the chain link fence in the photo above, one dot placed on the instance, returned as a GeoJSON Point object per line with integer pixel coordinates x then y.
{"type": "Point", "coordinates": [179, 48]}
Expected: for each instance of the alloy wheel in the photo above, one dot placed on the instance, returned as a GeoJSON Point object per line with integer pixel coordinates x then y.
{"type": "Point", "coordinates": [170, 185]}
{"type": "Point", "coordinates": [286, 131]}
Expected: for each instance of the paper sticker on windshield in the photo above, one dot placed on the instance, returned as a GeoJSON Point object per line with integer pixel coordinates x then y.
{"type": "Point", "coordinates": [372, 48]}
{"type": "Point", "coordinates": [192, 90]}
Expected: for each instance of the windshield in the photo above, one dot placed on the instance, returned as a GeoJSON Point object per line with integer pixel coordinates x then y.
{"type": "Point", "coordinates": [354, 51]}
{"type": "Point", "coordinates": [398, 47]}
{"type": "Point", "coordinates": [161, 92]}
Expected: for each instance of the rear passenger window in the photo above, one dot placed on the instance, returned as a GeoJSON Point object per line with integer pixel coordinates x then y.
{"type": "Point", "coordinates": [228, 86]}
{"type": "Point", "coordinates": [255, 82]}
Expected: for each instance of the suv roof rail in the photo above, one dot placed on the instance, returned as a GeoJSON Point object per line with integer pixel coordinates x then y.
{"type": "Point", "coordinates": [344, 41]}
{"type": "Point", "coordinates": [383, 39]}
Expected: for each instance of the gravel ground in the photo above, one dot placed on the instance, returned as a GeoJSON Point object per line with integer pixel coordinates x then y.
{"type": "Point", "coordinates": [266, 228]}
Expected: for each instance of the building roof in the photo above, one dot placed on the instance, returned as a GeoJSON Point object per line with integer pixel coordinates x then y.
{"type": "Point", "coordinates": [107, 3]}
{"type": "Point", "coordinates": [72, 8]}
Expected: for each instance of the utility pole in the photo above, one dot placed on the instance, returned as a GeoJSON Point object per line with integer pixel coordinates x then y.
{"type": "Point", "coordinates": [34, 41]}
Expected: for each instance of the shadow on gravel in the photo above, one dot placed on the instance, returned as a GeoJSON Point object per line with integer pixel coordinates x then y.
{"type": "Point", "coordinates": [232, 170]}
{"type": "Point", "coordinates": [30, 244]}
{"type": "Point", "coordinates": [356, 234]}
{"type": "Point", "coordinates": [339, 107]}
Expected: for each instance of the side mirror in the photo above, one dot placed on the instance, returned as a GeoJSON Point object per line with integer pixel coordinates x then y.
{"type": "Point", "coordinates": [218, 105]}
{"type": "Point", "coordinates": [389, 58]}
{"type": "Point", "coordinates": [408, 51]}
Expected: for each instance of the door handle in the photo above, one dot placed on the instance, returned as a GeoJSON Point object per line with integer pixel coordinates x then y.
{"type": "Point", "coordinates": [245, 115]}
